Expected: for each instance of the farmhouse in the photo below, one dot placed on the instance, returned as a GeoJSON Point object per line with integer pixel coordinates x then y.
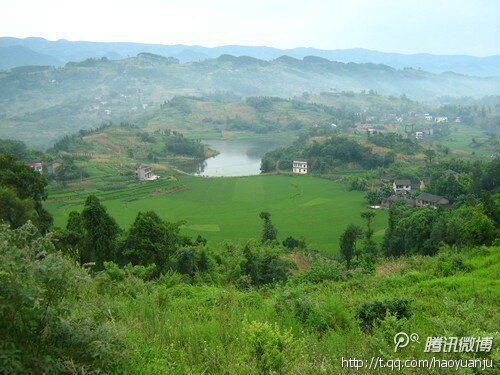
{"type": "Point", "coordinates": [431, 200]}
{"type": "Point", "coordinates": [144, 173]}
{"type": "Point", "coordinates": [401, 187]}
{"type": "Point", "coordinates": [37, 167]}
{"type": "Point", "coordinates": [439, 119]}
{"type": "Point", "coordinates": [300, 166]}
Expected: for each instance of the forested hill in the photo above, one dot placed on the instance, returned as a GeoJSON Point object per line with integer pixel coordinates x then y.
{"type": "Point", "coordinates": [155, 76]}
{"type": "Point", "coordinates": [39, 104]}
{"type": "Point", "coordinates": [65, 51]}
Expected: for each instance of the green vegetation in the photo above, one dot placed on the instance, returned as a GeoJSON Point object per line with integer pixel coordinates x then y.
{"type": "Point", "coordinates": [325, 155]}
{"type": "Point", "coordinates": [167, 276]}
{"type": "Point", "coordinates": [38, 105]}
{"type": "Point", "coordinates": [119, 320]}
{"type": "Point", "coordinates": [226, 208]}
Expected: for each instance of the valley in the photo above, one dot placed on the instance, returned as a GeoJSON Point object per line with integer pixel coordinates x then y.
{"type": "Point", "coordinates": [219, 209]}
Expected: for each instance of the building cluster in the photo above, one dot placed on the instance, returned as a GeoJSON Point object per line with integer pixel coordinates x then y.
{"type": "Point", "coordinates": [406, 191]}
{"type": "Point", "coordinates": [49, 168]}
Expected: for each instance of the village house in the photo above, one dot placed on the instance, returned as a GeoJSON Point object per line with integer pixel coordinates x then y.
{"type": "Point", "coordinates": [401, 187]}
{"type": "Point", "coordinates": [428, 117]}
{"type": "Point", "coordinates": [300, 166]}
{"type": "Point", "coordinates": [37, 167]}
{"type": "Point", "coordinates": [419, 135]}
{"type": "Point", "coordinates": [144, 173]}
{"type": "Point", "coordinates": [431, 200]}
{"type": "Point", "coordinates": [439, 119]}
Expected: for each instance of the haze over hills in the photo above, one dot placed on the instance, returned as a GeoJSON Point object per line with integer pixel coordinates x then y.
{"type": "Point", "coordinates": [63, 51]}
{"type": "Point", "coordinates": [55, 101]}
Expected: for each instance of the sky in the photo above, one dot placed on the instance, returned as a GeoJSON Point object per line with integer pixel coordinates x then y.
{"type": "Point", "coordinates": [468, 27]}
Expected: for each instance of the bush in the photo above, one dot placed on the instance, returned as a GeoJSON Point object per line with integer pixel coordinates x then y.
{"type": "Point", "coordinates": [45, 326]}
{"type": "Point", "coordinates": [270, 347]}
{"type": "Point", "coordinates": [323, 269]}
{"type": "Point", "coordinates": [370, 314]}
{"type": "Point", "coordinates": [450, 264]}
{"type": "Point", "coordinates": [293, 243]}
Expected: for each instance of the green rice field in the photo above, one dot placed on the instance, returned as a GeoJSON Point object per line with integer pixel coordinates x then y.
{"type": "Point", "coordinates": [228, 208]}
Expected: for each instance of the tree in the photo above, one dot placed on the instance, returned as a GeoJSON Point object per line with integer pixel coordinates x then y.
{"type": "Point", "coordinates": [150, 240]}
{"type": "Point", "coordinates": [348, 243]}
{"type": "Point", "coordinates": [293, 243]}
{"type": "Point", "coordinates": [373, 197]}
{"type": "Point", "coordinates": [14, 210]}
{"type": "Point", "coordinates": [469, 226]}
{"type": "Point", "coordinates": [492, 207]}
{"type": "Point", "coordinates": [75, 223]}
{"type": "Point", "coordinates": [429, 155]}
{"type": "Point", "coordinates": [369, 245]}
{"type": "Point", "coordinates": [269, 231]}
{"type": "Point", "coordinates": [28, 185]}
{"type": "Point", "coordinates": [101, 231]}
{"type": "Point", "coordinates": [185, 261]}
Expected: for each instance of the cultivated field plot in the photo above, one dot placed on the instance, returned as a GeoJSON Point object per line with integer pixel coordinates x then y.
{"type": "Point", "coordinates": [314, 209]}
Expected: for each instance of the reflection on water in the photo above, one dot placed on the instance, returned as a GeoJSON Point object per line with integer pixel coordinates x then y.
{"type": "Point", "coordinates": [235, 158]}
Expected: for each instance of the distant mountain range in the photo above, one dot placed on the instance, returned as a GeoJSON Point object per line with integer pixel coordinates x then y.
{"type": "Point", "coordinates": [16, 52]}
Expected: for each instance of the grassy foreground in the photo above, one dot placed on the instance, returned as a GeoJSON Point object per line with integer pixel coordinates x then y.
{"type": "Point", "coordinates": [208, 329]}
{"type": "Point", "coordinates": [315, 209]}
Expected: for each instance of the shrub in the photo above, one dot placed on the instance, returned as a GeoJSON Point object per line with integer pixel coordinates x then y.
{"type": "Point", "coordinates": [270, 347]}
{"type": "Point", "coordinates": [323, 269]}
{"type": "Point", "coordinates": [45, 326]}
{"type": "Point", "coordinates": [370, 314]}
{"type": "Point", "coordinates": [449, 264]}
{"type": "Point", "coordinates": [293, 243]}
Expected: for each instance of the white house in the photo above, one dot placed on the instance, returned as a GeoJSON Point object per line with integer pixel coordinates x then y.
{"type": "Point", "coordinates": [401, 187]}
{"type": "Point", "coordinates": [144, 173]}
{"type": "Point", "coordinates": [300, 166]}
{"type": "Point", "coordinates": [419, 135]}
{"type": "Point", "coordinates": [439, 119]}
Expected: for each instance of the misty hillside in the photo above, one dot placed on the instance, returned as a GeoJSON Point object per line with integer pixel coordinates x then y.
{"type": "Point", "coordinates": [65, 51]}
{"type": "Point", "coordinates": [62, 100]}
{"type": "Point", "coordinates": [14, 56]}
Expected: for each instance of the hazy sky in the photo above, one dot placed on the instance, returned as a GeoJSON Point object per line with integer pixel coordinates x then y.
{"type": "Point", "coordinates": [407, 26]}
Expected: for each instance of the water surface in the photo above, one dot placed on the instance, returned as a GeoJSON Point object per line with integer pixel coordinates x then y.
{"type": "Point", "coordinates": [236, 157]}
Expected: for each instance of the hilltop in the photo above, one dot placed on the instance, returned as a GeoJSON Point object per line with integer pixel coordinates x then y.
{"type": "Point", "coordinates": [64, 51]}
